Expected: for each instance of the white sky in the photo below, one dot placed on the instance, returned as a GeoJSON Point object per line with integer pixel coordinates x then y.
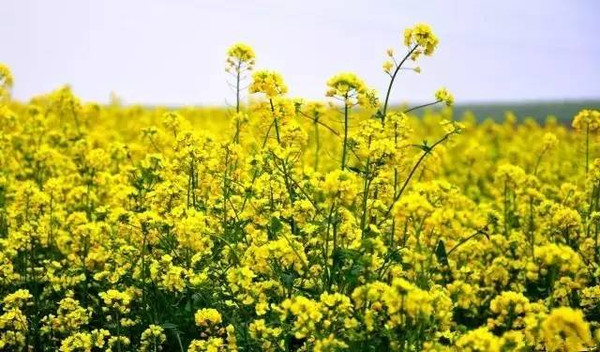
{"type": "Point", "coordinates": [173, 51]}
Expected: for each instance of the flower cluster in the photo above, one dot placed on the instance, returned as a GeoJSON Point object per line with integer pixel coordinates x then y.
{"type": "Point", "coordinates": [422, 39]}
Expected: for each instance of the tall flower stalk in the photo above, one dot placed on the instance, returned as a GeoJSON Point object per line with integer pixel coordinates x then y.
{"type": "Point", "coordinates": [240, 60]}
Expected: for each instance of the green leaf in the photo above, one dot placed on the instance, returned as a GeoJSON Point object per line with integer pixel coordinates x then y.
{"type": "Point", "coordinates": [355, 170]}
{"type": "Point", "coordinates": [440, 253]}
{"type": "Point", "coordinates": [276, 225]}
{"type": "Point", "coordinates": [169, 326]}
{"type": "Point", "coordinates": [423, 147]}
{"type": "Point", "coordinates": [288, 279]}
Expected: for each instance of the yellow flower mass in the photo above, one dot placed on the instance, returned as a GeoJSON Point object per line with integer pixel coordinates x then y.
{"type": "Point", "coordinates": [291, 225]}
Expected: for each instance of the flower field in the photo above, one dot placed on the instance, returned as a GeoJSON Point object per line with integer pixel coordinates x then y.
{"type": "Point", "coordinates": [280, 224]}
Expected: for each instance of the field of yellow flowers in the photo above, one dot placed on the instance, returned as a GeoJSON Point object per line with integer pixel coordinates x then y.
{"type": "Point", "coordinates": [280, 224]}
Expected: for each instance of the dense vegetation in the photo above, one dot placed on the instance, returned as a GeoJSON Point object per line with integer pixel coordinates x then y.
{"type": "Point", "coordinates": [286, 225]}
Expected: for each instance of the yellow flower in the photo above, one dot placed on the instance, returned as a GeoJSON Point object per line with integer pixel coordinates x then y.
{"type": "Point", "coordinates": [84, 341]}
{"type": "Point", "coordinates": [17, 299]}
{"type": "Point", "coordinates": [565, 329]}
{"type": "Point", "coordinates": [6, 78]}
{"type": "Point", "coordinates": [549, 141]}
{"type": "Point", "coordinates": [6, 81]}
{"type": "Point", "coordinates": [509, 308]}
{"type": "Point", "coordinates": [388, 66]}
{"type": "Point", "coordinates": [117, 300]}
{"type": "Point", "coordinates": [479, 340]}
{"type": "Point", "coordinates": [269, 83]}
{"type": "Point", "coordinates": [443, 95]}
{"type": "Point", "coordinates": [330, 343]}
{"type": "Point", "coordinates": [421, 38]}
{"type": "Point", "coordinates": [152, 338]}
{"type": "Point", "coordinates": [341, 186]}
{"type": "Point", "coordinates": [207, 317]}
{"type": "Point", "coordinates": [351, 89]}
{"type": "Point", "coordinates": [240, 57]}
{"type": "Point", "coordinates": [590, 299]}
{"type": "Point", "coordinates": [587, 119]}
{"type": "Point", "coordinates": [70, 316]}
{"type": "Point", "coordinates": [307, 315]}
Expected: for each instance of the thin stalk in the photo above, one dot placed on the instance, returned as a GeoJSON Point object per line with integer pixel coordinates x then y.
{"type": "Point", "coordinates": [144, 239]}
{"type": "Point", "coordinates": [466, 239]}
{"type": "Point", "coordinates": [255, 175]}
{"type": "Point", "coordinates": [237, 87]}
{"type": "Point", "coordinates": [299, 187]}
{"type": "Point", "coordinates": [317, 146]}
{"type": "Point", "coordinates": [389, 89]}
{"type": "Point", "coordinates": [284, 165]}
{"type": "Point", "coordinates": [326, 251]}
{"type": "Point", "coordinates": [538, 161]}
{"type": "Point", "coordinates": [366, 185]}
{"type": "Point", "coordinates": [333, 252]}
{"type": "Point", "coordinates": [345, 143]}
{"type": "Point", "coordinates": [531, 233]}
{"type": "Point", "coordinates": [275, 121]}
{"type": "Point", "coordinates": [393, 232]}
{"type": "Point", "coordinates": [410, 175]}
{"type": "Point", "coordinates": [237, 103]}
{"type": "Point", "coordinates": [421, 106]}
{"type": "Point", "coordinates": [506, 209]}
{"type": "Point", "coordinates": [597, 252]}
{"type": "Point", "coordinates": [587, 148]}
{"type": "Point", "coordinates": [317, 121]}
{"type": "Point", "coordinates": [76, 120]}
{"type": "Point", "coordinates": [225, 192]}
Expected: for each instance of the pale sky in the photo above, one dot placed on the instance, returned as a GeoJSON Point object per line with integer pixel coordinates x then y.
{"type": "Point", "coordinates": [173, 51]}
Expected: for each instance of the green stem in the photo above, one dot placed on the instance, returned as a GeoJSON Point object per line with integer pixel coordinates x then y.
{"type": "Point", "coordinates": [538, 161]}
{"type": "Point", "coordinates": [225, 192]}
{"type": "Point", "coordinates": [76, 120]}
{"type": "Point", "coordinates": [275, 121]}
{"type": "Point", "coordinates": [389, 89]}
{"type": "Point", "coordinates": [237, 87]}
{"type": "Point", "coordinates": [144, 239]}
{"type": "Point", "coordinates": [531, 233]}
{"type": "Point", "coordinates": [421, 106]}
{"type": "Point", "coordinates": [597, 252]}
{"type": "Point", "coordinates": [317, 147]}
{"type": "Point", "coordinates": [587, 148]}
{"type": "Point", "coordinates": [366, 184]}
{"type": "Point", "coordinates": [466, 239]}
{"type": "Point", "coordinates": [345, 143]}
{"type": "Point", "coordinates": [410, 175]}
{"type": "Point", "coordinates": [237, 103]}
{"type": "Point", "coordinates": [326, 251]}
